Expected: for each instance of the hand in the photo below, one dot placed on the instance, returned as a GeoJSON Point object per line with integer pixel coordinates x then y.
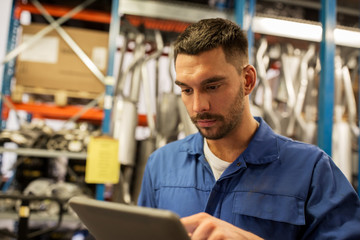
{"type": "Point", "coordinates": [203, 226]}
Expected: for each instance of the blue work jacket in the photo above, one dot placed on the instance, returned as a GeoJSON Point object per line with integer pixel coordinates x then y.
{"type": "Point", "coordinates": [277, 188]}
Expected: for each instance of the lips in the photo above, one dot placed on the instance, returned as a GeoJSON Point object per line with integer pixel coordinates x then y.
{"type": "Point", "coordinates": [205, 123]}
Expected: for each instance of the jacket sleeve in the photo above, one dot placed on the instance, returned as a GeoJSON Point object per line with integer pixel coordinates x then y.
{"type": "Point", "coordinates": [147, 193]}
{"type": "Point", "coordinates": [333, 207]}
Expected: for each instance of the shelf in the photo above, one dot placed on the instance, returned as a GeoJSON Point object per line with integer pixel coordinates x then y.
{"type": "Point", "coordinates": [48, 219]}
{"type": "Point", "coordinates": [157, 24]}
{"type": "Point", "coordinates": [44, 153]}
{"type": "Point", "coordinates": [39, 218]}
{"type": "Point", "coordinates": [43, 110]}
{"type": "Point", "coordinates": [68, 222]}
{"type": "Point", "coordinates": [59, 11]}
{"type": "Point", "coordinates": [170, 10]}
{"type": "Point", "coordinates": [51, 111]}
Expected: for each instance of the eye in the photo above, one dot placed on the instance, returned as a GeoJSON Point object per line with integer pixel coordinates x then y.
{"type": "Point", "coordinates": [186, 91]}
{"type": "Point", "coordinates": [212, 87]}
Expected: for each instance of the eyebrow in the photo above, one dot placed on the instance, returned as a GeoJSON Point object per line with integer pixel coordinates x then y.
{"type": "Point", "coordinates": [204, 82]}
{"type": "Point", "coordinates": [177, 82]}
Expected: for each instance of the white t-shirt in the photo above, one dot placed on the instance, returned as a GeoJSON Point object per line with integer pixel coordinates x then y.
{"type": "Point", "coordinates": [217, 165]}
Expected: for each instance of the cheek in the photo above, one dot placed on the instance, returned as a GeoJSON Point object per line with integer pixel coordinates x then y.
{"type": "Point", "coordinates": [187, 102]}
{"type": "Point", "coordinates": [223, 100]}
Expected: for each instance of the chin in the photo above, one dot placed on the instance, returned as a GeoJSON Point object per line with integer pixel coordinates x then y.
{"type": "Point", "coordinates": [210, 136]}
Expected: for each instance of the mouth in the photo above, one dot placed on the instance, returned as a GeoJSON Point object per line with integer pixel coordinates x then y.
{"type": "Point", "coordinates": [205, 123]}
{"type": "Point", "coordinates": [206, 120]}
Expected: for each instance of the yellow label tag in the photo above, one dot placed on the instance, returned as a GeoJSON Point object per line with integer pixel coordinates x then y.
{"type": "Point", "coordinates": [102, 165]}
{"type": "Point", "coordinates": [24, 211]}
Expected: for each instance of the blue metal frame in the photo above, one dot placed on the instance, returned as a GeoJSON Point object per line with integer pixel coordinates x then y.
{"type": "Point", "coordinates": [114, 32]}
{"type": "Point", "coordinates": [326, 89]}
{"type": "Point", "coordinates": [240, 7]}
{"type": "Point", "coordinates": [250, 33]}
{"type": "Point", "coordinates": [240, 12]}
{"type": "Point", "coordinates": [9, 67]}
{"type": "Point", "coordinates": [109, 87]}
{"type": "Point", "coordinates": [8, 74]}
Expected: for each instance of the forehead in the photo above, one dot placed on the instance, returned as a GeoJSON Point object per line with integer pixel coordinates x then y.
{"type": "Point", "coordinates": [204, 56]}
{"type": "Point", "coordinates": [202, 66]}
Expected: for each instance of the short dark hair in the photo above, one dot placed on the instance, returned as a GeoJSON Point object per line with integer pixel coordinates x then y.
{"type": "Point", "coordinates": [208, 34]}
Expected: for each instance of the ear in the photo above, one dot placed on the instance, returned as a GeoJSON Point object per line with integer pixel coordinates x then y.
{"type": "Point", "coordinates": [250, 79]}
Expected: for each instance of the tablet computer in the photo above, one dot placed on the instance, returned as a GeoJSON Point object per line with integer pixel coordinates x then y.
{"type": "Point", "coordinates": [110, 220]}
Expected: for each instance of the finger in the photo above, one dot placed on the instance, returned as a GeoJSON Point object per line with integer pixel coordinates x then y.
{"type": "Point", "coordinates": [190, 223]}
{"type": "Point", "coordinates": [204, 230]}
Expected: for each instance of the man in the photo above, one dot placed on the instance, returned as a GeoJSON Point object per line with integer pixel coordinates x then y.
{"type": "Point", "coordinates": [236, 178]}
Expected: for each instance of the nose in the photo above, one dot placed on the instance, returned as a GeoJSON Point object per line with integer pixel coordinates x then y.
{"type": "Point", "coordinates": [200, 102]}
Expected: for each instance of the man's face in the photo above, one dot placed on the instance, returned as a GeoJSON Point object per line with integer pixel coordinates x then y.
{"type": "Point", "coordinates": [212, 91]}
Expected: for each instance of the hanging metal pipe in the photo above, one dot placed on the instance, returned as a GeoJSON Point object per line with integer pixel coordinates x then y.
{"type": "Point", "coordinates": [146, 81]}
{"type": "Point", "coordinates": [350, 100]}
{"type": "Point", "coordinates": [296, 117]}
{"type": "Point", "coordinates": [267, 99]}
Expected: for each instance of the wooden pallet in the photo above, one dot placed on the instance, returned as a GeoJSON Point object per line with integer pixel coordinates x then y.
{"type": "Point", "coordinates": [59, 97]}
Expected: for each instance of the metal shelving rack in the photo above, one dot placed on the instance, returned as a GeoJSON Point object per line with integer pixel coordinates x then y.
{"type": "Point", "coordinates": [53, 111]}
{"type": "Point", "coordinates": [8, 73]}
{"type": "Point", "coordinates": [44, 153]}
{"type": "Point", "coordinates": [114, 20]}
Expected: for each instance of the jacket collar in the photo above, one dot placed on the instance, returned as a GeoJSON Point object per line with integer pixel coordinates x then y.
{"type": "Point", "coordinates": [263, 147]}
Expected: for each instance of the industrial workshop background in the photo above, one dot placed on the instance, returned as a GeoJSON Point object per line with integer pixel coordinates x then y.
{"type": "Point", "coordinates": [87, 93]}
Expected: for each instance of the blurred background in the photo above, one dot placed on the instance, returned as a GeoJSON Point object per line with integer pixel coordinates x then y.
{"type": "Point", "coordinates": [75, 72]}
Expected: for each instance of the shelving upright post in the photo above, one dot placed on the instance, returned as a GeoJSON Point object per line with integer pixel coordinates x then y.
{"type": "Point", "coordinates": [240, 13]}
{"type": "Point", "coordinates": [326, 89]}
{"type": "Point", "coordinates": [109, 81]}
{"type": "Point", "coordinates": [240, 18]}
{"type": "Point", "coordinates": [9, 67]}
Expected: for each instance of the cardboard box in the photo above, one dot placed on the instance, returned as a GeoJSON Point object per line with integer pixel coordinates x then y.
{"type": "Point", "coordinates": [51, 64]}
